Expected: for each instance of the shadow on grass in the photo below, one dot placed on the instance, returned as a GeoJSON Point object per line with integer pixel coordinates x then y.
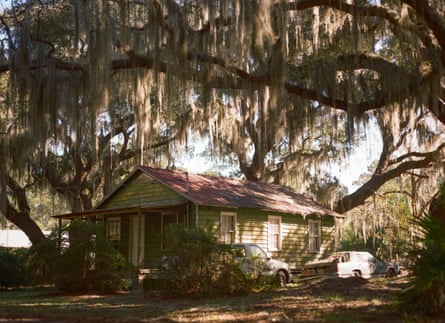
{"type": "Point", "coordinates": [323, 300]}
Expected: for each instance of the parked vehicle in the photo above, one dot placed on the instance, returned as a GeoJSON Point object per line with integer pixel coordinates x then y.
{"type": "Point", "coordinates": [352, 263]}
{"type": "Point", "coordinates": [253, 259]}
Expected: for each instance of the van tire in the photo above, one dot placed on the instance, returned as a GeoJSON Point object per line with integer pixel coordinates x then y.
{"type": "Point", "coordinates": [390, 273]}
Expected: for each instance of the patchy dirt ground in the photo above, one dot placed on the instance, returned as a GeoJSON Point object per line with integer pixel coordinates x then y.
{"type": "Point", "coordinates": [320, 300]}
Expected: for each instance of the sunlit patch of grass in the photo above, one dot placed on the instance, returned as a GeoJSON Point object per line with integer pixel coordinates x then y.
{"type": "Point", "coordinates": [334, 297]}
{"type": "Point", "coordinates": [370, 299]}
{"type": "Point", "coordinates": [379, 302]}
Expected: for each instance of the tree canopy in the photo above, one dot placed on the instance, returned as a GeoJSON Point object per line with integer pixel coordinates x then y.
{"type": "Point", "coordinates": [90, 87]}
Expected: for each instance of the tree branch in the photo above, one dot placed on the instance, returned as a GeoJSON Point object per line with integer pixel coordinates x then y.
{"type": "Point", "coordinates": [434, 21]}
{"type": "Point", "coordinates": [377, 180]}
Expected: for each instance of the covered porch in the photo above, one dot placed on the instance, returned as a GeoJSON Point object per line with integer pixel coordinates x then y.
{"type": "Point", "coordinates": [138, 233]}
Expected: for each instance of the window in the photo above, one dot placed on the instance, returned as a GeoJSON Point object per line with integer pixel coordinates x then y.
{"type": "Point", "coordinates": [114, 229]}
{"type": "Point", "coordinates": [274, 233]}
{"type": "Point", "coordinates": [314, 236]}
{"type": "Point", "coordinates": [227, 223]}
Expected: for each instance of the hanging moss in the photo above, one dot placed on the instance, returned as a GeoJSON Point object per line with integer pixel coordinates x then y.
{"type": "Point", "coordinates": [250, 74]}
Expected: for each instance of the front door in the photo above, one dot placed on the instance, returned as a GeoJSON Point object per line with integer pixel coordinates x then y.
{"type": "Point", "coordinates": [137, 224]}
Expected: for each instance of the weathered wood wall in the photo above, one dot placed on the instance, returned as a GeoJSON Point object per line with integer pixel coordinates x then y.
{"type": "Point", "coordinates": [252, 226]}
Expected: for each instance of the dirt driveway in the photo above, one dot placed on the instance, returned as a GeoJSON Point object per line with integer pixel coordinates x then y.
{"type": "Point", "coordinates": [323, 300]}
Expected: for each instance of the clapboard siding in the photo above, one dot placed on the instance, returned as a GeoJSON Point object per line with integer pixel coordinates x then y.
{"type": "Point", "coordinates": [252, 226]}
{"type": "Point", "coordinates": [296, 241]}
{"type": "Point", "coordinates": [208, 218]}
{"type": "Point", "coordinates": [142, 190]}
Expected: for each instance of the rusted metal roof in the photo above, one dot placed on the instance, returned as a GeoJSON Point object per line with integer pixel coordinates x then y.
{"type": "Point", "coordinates": [228, 192]}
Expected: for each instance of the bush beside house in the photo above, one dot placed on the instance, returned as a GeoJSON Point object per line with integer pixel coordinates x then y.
{"type": "Point", "coordinates": [12, 269]}
{"type": "Point", "coordinates": [201, 266]}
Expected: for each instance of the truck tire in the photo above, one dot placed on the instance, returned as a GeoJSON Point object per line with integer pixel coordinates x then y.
{"type": "Point", "coordinates": [282, 278]}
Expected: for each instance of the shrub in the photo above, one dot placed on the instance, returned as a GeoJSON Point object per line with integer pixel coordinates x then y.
{"type": "Point", "coordinates": [199, 265]}
{"type": "Point", "coordinates": [90, 263]}
{"type": "Point", "coordinates": [12, 271]}
{"type": "Point", "coordinates": [40, 260]}
{"type": "Point", "coordinates": [85, 263]}
{"type": "Point", "coordinates": [427, 293]}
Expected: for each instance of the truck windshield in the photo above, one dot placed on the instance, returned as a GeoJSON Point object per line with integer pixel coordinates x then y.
{"type": "Point", "coordinates": [257, 252]}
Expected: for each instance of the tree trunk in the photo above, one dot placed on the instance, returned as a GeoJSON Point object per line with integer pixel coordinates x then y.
{"type": "Point", "coordinates": [26, 224]}
{"type": "Point", "coordinates": [20, 213]}
{"type": "Point", "coordinates": [437, 208]}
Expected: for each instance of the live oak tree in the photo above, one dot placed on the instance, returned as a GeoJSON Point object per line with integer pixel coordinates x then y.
{"type": "Point", "coordinates": [283, 85]}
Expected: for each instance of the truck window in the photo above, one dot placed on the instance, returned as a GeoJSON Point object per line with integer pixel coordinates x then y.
{"type": "Point", "coordinates": [257, 253]}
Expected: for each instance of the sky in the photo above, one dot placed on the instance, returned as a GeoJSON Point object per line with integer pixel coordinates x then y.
{"type": "Point", "coordinates": [360, 160]}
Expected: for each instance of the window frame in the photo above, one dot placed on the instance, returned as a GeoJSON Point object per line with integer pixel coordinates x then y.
{"type": "Point", "coordinates": [114, 224]}
{"type": "Point", "coordinates": [274, 236]}
{"type": "Point", "coordinates": [223, 234]}
{"type": "Point", "coordinates": [314, 238]}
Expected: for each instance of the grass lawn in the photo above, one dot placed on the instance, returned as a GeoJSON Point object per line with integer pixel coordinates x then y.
{"type": "Point", "coordinates": [323, 300]}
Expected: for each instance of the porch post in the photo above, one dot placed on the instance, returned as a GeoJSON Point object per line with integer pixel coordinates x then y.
{"type": "Point", "coordinates": [59, 233]}
{"type": "Point", "coordinates": [196, 215]}
{"type": "Point", "coordinates": [141, 237]}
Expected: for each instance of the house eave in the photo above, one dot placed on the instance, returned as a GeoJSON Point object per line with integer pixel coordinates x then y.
{"type": "Point", "coordinates": [117, 211]}
{"type": "Point", "coordinates": [295, 213]}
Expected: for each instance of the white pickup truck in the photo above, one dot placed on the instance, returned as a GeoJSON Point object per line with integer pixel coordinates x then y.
{"type": "Point", "coordinates": [351, 263]}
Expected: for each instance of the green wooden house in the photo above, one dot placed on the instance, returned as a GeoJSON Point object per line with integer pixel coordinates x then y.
{"type": "Point", "coordinates": [289, 226]}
